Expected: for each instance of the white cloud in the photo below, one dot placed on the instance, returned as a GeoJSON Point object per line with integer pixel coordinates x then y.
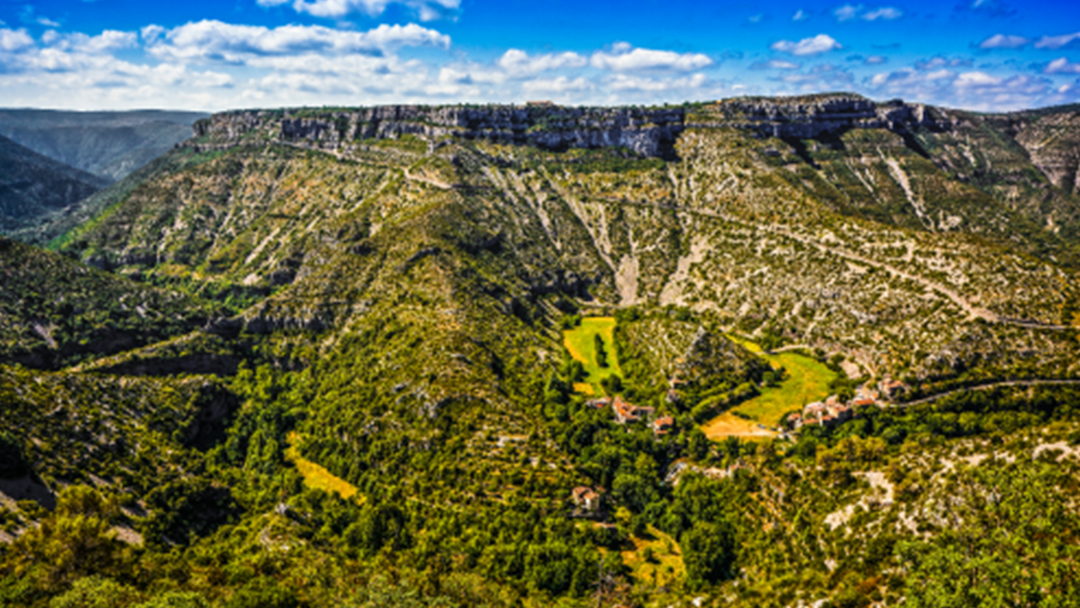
{"type": "Point", "coordinates": [108, 40]}
{"type": "Point", "coordinates": [821, 43]}
{"type": "Point", "coordinates": [887, 13]}
{"type": "Point", "coordinates": [14, 40]}
{"type": "Point", "coordinates": [224, 42]}
{"type": "Point", "coordinates": [875, 60]}
{"type": "Point", "coordinates": [1002, 41]}
{"type": "Point", "coordinates": [624, 82]}
{"type": "Point", "coordinates": [622, 59]}
{"type": "Point", "coordinates": [775, 64]}
{"type": "Point", "coordinates": [973, 89]}
{"type": "Point", "coordinates": [428, 10]}
{"type": "Point", "coordinates": [938, 62]}
{"type": "Point", "coordinates": [1062, 66]}
{"type": "Point", "coordinates": [27, 15]}
{"type": "Point", "coordinates": [847, 12]}
{"type": "Point", "coordinates": [1056, 42]}
{"type": "Point", "coordinates": [977, 79]}
{"type": "Point", "coordinates": [518, 63]}
{"type": "Point", "coordinates": [800, 15]}
{"type": "Point", "coordinates": [556, 86]}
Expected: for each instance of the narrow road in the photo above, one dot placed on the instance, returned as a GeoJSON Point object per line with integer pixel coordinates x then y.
{"type": "Point", "coordinates": [988, 386]}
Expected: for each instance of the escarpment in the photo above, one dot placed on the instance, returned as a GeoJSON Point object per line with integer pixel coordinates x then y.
{"type": "Point", "coordinates": [818, 116]}
{"type": "Point", "coordinates": [648, 132]}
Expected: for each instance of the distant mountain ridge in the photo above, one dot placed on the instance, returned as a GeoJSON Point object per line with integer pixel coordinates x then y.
{"type": "Point", "coordinates": [108, 144]}
{"type": "Point", "coordinates": [33, 187]}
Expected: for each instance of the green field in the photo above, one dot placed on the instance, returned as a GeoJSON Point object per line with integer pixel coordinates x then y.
{"type": "Point", "coordinates": [807, 381]}
{"type": "Point", "coordinates": [580, 342]}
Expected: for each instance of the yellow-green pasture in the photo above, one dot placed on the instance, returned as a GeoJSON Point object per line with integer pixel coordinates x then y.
{"type": "Point", "coordinates": [807, 381]}
{"type": "Point", "coordinates": [581, 343]}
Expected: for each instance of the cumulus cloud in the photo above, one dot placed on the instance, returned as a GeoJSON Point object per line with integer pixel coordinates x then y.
{"type": "Point", "coordinates": [821, 43]}
{"type": "Point", "coordinates": [108, 40]}
{"type": "Point", "coordinates": [848, 12]}
{"type": "Point", "coordinates": [427, 10]}
{"type": "Point", "coordinates": [977, 79]}
{"type": "Point", "coordinates": [972, 89]}
{"type": "Point", "coordinates": [27, 15]}
{"type": "Point", "coordinates": [518, 63]}
{"type": "Point", "coordinates": [14, 40]}
{"type": "Point", "coordinates": [1062, 66]}
{"type": "Point", "coordinates": [1002, 41]}
{"type": "Point", "coordinates": [1056, 42]}
{"type": "Point", "coordinates": [624, 82]}
{"type": "Point", "coordinates": [211, 40]}
{"type": "Point", "coordinates": [623, 58]}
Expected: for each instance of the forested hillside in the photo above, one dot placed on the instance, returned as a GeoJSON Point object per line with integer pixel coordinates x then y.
{"type": "Point", "coordinates": [34, 189]}
{"type": "Point", "coordinates": [464, 356]}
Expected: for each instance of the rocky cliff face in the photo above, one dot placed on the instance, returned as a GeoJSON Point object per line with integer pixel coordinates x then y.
{"type": "Point", "coordinates": [818, 116]}
{"type": "Point", "coordinates": [648, 132]}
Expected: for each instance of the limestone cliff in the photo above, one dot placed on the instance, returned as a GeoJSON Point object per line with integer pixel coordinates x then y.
{"type": "Point", "coordinates": [648, 132]}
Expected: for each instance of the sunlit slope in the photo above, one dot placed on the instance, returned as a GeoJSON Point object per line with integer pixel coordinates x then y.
{"type": "Point", "coordinates": [722, 229]}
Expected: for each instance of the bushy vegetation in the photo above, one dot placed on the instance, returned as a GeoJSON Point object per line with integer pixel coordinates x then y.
{"type": "Point", "coordinates": [403, 420]}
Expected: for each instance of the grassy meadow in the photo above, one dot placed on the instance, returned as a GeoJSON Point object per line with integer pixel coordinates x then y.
{"type": "Point", "coordinates": [807, 380]}
{"type": "Point", "coordinates": [581, 342]}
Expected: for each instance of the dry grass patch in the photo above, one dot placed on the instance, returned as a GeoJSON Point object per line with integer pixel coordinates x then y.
{"type": "Point", "coordinates": [316, 476]}
{"type": "Point", "coordinates": [656, 558]}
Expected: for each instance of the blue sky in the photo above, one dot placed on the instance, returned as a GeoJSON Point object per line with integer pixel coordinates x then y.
{"type": "Point", "coordinates": [987, 55]}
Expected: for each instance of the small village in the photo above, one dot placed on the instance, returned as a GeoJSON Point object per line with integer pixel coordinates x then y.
{"type": "Point", "coordinates": [828, 413]}
{"type": "Point", "coordinates": [832, 411]}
